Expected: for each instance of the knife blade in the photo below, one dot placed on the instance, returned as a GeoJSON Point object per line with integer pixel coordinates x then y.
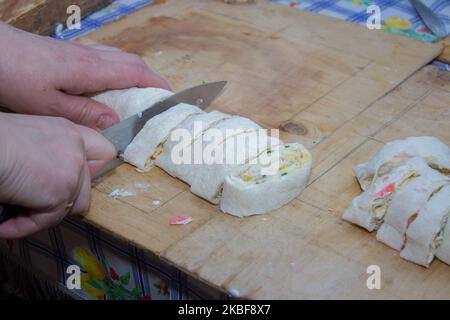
{"type": "Point", "coordinates": [121, 134]}
{"type": "Point", "coordinates": [431, 20]}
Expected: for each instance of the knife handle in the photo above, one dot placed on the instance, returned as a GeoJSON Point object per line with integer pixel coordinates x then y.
{"type": "Point", "coordinates": [8, 211]}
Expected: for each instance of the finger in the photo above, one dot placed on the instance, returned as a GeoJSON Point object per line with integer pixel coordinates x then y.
{"type": "Point", "coordinates": [28, 223]}
{"type": "Point", "coordinates": [86, 111]}
{"type": "Point", "coordinates": [99, 151]}
{"type": "Point", "coordinates": [116, 75]}
{"type": "Point", "coordinates": [122, 57]}
{"type": "Point", "coordinates": [82, 199]}
{"type": "Point", "coordinates": [119, 75]}
{"type": "Point", "coordinates": [97, 46]}
{"type": "Point", "coordinates": [104, 47]}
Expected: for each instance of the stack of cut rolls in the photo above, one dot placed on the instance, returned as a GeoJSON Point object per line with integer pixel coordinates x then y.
{"type": "Point", "coordinates": [406, 198]}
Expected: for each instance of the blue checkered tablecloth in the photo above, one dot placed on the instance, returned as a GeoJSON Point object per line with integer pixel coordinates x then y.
{"type": "Point", "coordinates": [397, 16]}
{"type": "Point", "coordinates": [113, 269]}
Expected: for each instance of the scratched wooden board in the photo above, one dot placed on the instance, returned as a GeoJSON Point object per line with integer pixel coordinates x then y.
{"type": "Point", "coordinates": [445, 55]}
{"type": "Point", "coordinates": [41, 16]}
{"type": "Point", "coordinates": [328, 84]}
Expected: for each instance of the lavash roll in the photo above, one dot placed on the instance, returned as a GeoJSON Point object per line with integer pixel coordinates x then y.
{"type": "Point", "coordinates": [251, 192]}
{"type": "Point", "coordinates": [203, 182]}
{"type": "Point", "coordinates": [128, 102]}
{"type": "Point", "coordinates": [407, 201]}
{"type": "Point", "coordinates": [393, 154]}
{"type": "Point", "coordinates": [426, 235]}
{"type": "Point", "coordinates": [208, 180]}
{"type": "Point", "coordinates": [184, 144]}
{"type": "Point", "coordinates": [443, 252]}
{"type": "Point", "coordinates": [155, 133]}
{"type": "Point", "coordinates": [369, 208]}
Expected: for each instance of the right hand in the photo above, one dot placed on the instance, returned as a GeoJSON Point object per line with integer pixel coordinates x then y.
{"type": "Point", "coordinates": [46, 165]}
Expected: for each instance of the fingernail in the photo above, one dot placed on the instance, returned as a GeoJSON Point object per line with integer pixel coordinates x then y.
{"type": "Point", "coordinates": [104, 121]}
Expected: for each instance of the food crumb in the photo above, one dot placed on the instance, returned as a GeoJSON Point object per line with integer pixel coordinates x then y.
{"type": "Point", "coordinates": [121, 193]}
{"type": "Point", "coordinates": [180, 220]}
{"type": "Point", "coordinates": [156, 202]}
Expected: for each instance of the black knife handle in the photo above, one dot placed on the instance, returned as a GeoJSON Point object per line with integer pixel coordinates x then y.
{"type": "Point", "coordinates": [8, 211]}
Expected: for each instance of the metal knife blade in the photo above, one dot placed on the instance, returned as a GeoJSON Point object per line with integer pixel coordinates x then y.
{"type": "Point", "coordinates": [121, 134]}
{"type": "Point", "coordinates": [431, 20]}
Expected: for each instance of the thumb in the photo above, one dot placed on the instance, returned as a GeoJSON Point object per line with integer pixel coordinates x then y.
{"type": "Point", "coordinates": [87, 112]}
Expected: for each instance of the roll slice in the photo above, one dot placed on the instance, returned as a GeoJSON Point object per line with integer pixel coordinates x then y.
{"type": "Point", "coordinates": [190, 130]}
{"type": "Point", "coordinates": [425, 235]}
{"type": "Point", "coordinates": [407, 202]}
{"type": "Point", "coordinates": [395, 153]}
{"type": "Point", "coordinates": [199, 176]}
{"type": "Point", "coordinates": [207, 181]}
{"type": "Point", "coordinates": [369, 208]}
{"type": "Point", "coordinates": [128, 102]}
{"type": "Point", "coordinates": [252, 192]}
{"type": "Point", "coordinates": [148, 143]}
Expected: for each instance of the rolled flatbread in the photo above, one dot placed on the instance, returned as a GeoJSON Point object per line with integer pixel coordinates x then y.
{"type": "Point", "coordinates": [149, 142]}
{"type": "Point", "coordinates": [186, 133]}
{"type": "Point", "coordinates": [394, 153]}
{"type": "Point", "coordinates": [426, 234]}
{"type": "Point", "coordinates": [369, 208]}
{"type": "Point", "coordinates": [252, 192]}
{"type": "Point", "coordinates": [208, 180]}
{"type": "Point", "coordinates": [203, 179]}
{"type": "Point", "coordinates": [408, 200]}
{"type": "Point", "coordinates": [128, 102]}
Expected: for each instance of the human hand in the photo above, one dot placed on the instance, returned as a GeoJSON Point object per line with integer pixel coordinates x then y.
{"type": "Point", "coordinates": [44, 76]}
{"type": "Point", "coordinates": [46, 165]}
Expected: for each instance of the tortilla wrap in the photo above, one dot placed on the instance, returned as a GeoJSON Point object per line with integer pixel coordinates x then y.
{"type": "Point", "coordinates": [368, 209]}
{"type": "Point", "coordinates": [395, 153]}
{"type": "Point", "coordinates": [252, 192]}
{"type": "Point", "coordinates": [154, 134]}
{"type": "Point", "coordinates": [407, 202]}
{"type": "Point", "coordinates": [426, 234]}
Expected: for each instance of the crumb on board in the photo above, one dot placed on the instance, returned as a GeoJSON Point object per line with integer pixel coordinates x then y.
{"type": "Point", "coordinates": [181, 220]}
{"type": "Point", "coordinates": [130, 190]}
{"type": "Point", "coordinates": [121, 193]}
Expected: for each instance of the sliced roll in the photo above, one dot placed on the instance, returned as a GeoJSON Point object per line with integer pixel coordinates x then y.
{"type": "Point", "coordinates": [369, 208]}
{"type": "Point", "coordinates": [204, 181]}
{"type": "Point", "coordinates": [128, 102]}
{"type": "Point", "coordinates": [407, 202]}
{"type": "Point", "coordinates": [148, 143]}
{"type": "Point", "coordinates": [395, 153]}
{"type": "Point", "coordinates": [427, 234]}
{"type": "Point", "coordinates": [443, 251]}
{"type": "Point", "coordinates": [207, 181]}
{"type": "Point", "coordinates": [181, 140]}
{"type": "Point", "coordinates": [255, 191]}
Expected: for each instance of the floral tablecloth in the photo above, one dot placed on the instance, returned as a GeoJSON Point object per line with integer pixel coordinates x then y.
{"type": "Point", "coordinates": [397, 16]}
{"type": "Point", "coordinates": [112, 269]}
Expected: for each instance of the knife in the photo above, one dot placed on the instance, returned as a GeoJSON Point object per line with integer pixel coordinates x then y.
{"type": "Point", "coordinates": [431, 20]}
{"type": "Point", "coordinates": [121, 134]}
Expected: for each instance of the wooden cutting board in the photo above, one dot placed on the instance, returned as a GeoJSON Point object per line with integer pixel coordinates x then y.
{"type": "Point", "coordinates": [328, 84]}
{"type": "Point", "coordinates": [42, 16]}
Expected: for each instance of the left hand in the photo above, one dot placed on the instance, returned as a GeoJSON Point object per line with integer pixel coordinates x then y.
{"type": "Point", "coordinates": [43, 76]}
